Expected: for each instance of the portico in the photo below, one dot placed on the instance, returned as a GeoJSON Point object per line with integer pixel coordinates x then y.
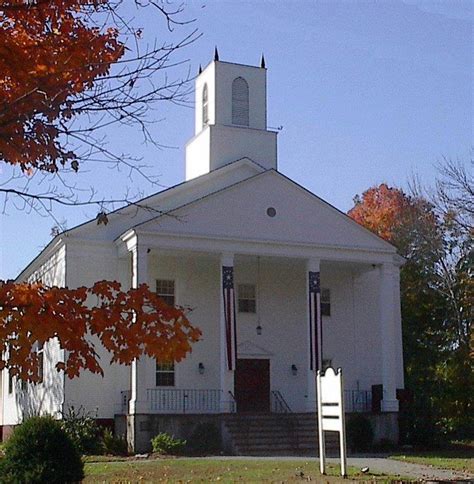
{"type": "Point", "coordinates": [261, 359]}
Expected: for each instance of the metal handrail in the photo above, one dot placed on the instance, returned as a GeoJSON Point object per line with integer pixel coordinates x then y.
{"type": "Point", "coordinates": [278, 403]}
{"type": "Point", "coordinates": [232, 403]}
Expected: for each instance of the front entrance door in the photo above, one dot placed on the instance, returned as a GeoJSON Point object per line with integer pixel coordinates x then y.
{"type": "Point", "coordinates": [252, 385]}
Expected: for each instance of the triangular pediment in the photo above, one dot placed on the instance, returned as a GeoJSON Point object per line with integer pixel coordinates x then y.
{"type": "Point", "coordinates": [271, 208]}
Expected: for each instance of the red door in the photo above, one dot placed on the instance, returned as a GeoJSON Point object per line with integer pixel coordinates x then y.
{"type": "Point", "coordinates": [252, 385]}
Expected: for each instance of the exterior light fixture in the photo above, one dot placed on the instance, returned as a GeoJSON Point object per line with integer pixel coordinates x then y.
{"type": "Point", "coordinates": [259, 330]}
{"type": "Point", "coordinates": [294, 369]}
{"type": "Point", "coordinates": [201, 368]}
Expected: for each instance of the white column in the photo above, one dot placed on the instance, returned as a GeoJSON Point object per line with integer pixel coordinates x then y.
{"type": "Point", "coordinates": [389, 328]}
{"type": "Point", "coordinates": [226, 375]}
{"type": "Point", "coordinates": [312, 265]}
{"type": "Point", "coordinates": [138, 397]}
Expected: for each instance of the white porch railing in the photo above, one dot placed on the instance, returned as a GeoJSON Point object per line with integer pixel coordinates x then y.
{"type": "Point", "coordinates": [170, 400]}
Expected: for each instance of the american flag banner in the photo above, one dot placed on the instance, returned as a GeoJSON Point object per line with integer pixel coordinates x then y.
{"type": "Point", "coordinates": [229, 314]}
{"type": "Point", "coordinates": [315, 326]}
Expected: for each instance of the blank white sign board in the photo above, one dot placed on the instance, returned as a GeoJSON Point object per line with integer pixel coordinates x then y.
{"type": "Point", "coordinates": [331, 413]}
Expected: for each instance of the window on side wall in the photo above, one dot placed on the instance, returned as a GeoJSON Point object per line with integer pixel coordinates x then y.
{"type": "Point", "coordinates": [165, 374]}
{"type": "Point", "coordinates": [10, 383]}
{"type": "Point", "coordinates": [325, 302]}
{"type": "Point", "coordinates": [247, 298]}
{"type": "Point", "coordinates": [166, 290]}
{"type": "Point", "coordinates": [40, 354]}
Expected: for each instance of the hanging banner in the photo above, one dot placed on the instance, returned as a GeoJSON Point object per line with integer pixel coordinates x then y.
{"type": "Point", "coordinates": [229, 314]}
{"type": "Point", "coordinates": [315, 326]}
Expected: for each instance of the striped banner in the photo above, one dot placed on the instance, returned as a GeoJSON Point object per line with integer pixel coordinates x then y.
{"type": "Point", "coordinates": [315, 326]}
{"type": "Point", "coordinates": [229, 314]}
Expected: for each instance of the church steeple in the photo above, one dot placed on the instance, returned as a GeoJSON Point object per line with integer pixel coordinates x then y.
{"type": "Point", "coordinates": [230, 118]}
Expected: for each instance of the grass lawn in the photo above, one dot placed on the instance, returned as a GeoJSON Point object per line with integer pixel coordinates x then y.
{"type": "Point", "coordinates": [443, 459]}
{"type": "Point", "coordinates": [205, 470]}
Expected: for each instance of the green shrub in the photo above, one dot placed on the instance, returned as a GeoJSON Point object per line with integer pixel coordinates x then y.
{"type": "Point", "coordinates": [166, 444]}
{"type": "Point", "coordinates": [40, 451]}
{"type": "Point", "coordinates": [114, 445]}
{"type": "Point", "coordinates": [359, 433]}
{"type": "Point", "coordinates": [83, 430]}
{"type": "Point", "coordinates": [205, 439]}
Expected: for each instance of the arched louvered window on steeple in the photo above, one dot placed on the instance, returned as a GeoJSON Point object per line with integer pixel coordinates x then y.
{"type": "Point", "coordinates": [240, 102]}
{"type": "Point", "coordinates": [205, 109]}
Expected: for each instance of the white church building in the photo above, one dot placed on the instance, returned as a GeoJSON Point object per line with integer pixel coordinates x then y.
{"type": "Point", "coordinates": [280, 283]}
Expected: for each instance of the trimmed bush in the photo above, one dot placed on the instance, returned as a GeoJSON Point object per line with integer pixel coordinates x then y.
{"type": "Point", "coordinates": [39, 451]}
{"type": "Point", "coordinates": [205, 439]}
{"type": "Point", "coordinates": [83, 430]}
{"type": "Point", "coordinates": [359, 433]}
{"type": "Point", "coordinates": [114, 445]}
{"type": "Point", "coordinates": [164, 443]}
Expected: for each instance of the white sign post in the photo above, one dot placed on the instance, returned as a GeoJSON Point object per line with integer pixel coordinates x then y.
{"type": "Point", "coordinates": [331, 413]}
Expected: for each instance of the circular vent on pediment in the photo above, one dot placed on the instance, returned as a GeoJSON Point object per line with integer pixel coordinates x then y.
{"type": "Point", "coordinates": [271, 211]}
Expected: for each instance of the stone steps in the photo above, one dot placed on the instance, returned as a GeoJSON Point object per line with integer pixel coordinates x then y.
{"type": "Point", "coordinates": [277, 434]}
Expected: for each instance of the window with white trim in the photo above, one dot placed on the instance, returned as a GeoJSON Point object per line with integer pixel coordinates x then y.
{"type": "Point", "coordinates": [40, 355]}
{"type": "Point", "coordinates": [247, 298]}
{"type": "Point", "coordinates": [166, 290]}
{"type": "Point", "coordinates": [325, 302]}
{"type": "Point", "coordinates": [164, 374]}
{"type": "Point", "coordinates": [10, 382]}
{"type": "Point", "coordinates": [205, 108]}
{"type": "Point", "coordinates": [240, 102]}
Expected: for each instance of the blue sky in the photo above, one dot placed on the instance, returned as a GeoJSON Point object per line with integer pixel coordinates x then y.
{"type": "Point", "coordinates": [366, 92]}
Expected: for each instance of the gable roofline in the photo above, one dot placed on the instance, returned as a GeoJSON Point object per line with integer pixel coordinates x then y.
{"type": "Point", "coordinates": [51, 247]}
{"type": "Point", "coordinates": [196, 200]}
{"type": "Point", "coordinates": [167, 192]}
{"type": "Point", "coordinates": [338, 212]}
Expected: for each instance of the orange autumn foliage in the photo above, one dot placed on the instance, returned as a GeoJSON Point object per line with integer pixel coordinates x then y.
{"type": "Point", "coordinates": [129, 324]}
{"type": "Point", "coordinates": [50, 52]}
{"type": "Point", "coordinates": [383, 210]}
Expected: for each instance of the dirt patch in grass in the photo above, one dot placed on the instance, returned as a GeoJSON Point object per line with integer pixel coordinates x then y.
{"type": "Point", "coordinates": [219, 470]}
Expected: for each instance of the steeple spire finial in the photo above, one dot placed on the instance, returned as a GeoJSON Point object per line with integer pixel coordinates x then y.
{"type": "Point", "coordinates": [262, 62]}
{"type": "Point", "coordinates": [216, 54]}
{"type": "Point", "coordinates": [200, 69]}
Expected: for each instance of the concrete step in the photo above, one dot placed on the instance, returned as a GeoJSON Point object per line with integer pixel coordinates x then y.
{"type": "Point", "coordinates": [283, 434]}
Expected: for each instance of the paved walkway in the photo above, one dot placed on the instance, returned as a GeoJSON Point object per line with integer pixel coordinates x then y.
{"type": "Point", "coordinates": [382, 465]}
{"type": "Point", "coordinates": [408, 469]}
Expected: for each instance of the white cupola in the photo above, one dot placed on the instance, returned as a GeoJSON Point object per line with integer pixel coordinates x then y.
{"type": "Point", "coordinates": [230, 118]}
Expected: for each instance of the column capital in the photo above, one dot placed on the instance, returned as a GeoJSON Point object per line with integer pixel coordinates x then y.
{"type": "Point", "coordinates": [227, 259]}
{"type": "Point", "coordinates": [139, 265]}
{"type": "Point", "coordinates": [313, 264]}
